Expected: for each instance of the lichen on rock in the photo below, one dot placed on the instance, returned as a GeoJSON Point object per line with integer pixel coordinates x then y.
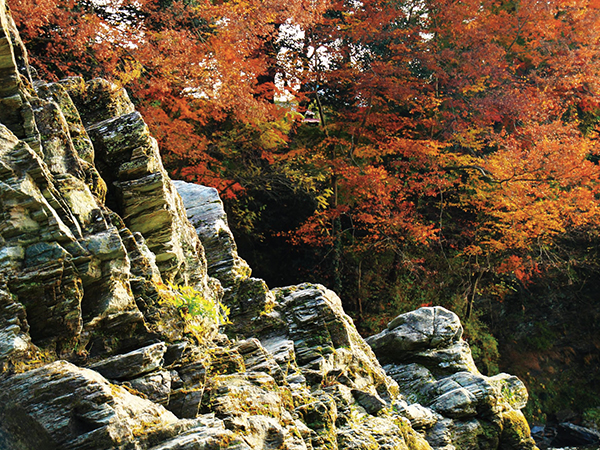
{"type": "Point", "coordinates": [445, 394]}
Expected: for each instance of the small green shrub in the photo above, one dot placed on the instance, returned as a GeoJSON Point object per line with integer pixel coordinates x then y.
{"type": "Point", "coordinates": [591, 418]}
{"type": "Point", "coordinates": [202, 316]}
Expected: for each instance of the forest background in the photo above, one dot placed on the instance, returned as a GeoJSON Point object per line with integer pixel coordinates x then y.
{"type": "Point", "coordinates": [403, 153]}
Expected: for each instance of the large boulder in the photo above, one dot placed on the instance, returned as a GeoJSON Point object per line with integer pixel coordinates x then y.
{"type": "Point", "coordinates": [445, 394]}
{"type": "Point", "coordinates": [432, 335]}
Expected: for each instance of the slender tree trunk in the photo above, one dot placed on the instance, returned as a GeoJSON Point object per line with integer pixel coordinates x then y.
{"type": "Point", "coordinates": [359, 306]}
{"type": "Point", "coordinates": [472, 292]}
{"type": "Point", "coordinates": [337, 242]}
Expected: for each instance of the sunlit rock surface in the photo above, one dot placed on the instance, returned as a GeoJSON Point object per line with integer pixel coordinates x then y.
{"type": "Point", "coordinates": [444, 393]}
{"type": "Point", "coordinates": [206, 213]}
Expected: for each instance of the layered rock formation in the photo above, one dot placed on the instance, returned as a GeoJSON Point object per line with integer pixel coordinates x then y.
{"type": "Point", "coordinates": [96, 354]}
{"type": "Point", "coordinates": [445, 395]}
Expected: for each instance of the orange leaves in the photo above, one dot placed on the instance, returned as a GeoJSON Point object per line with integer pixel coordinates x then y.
{"type": "Point", "coordinates": [522, 268]}
{"type": "Point", "coordinates": [469, 124]}
{"type": "Point", "coordinates": [542, 184]}
{"type": "Point", "coordinates": [193, 68]}
{"type": "Point", "coordinates": [515, 88]}
{"type": "Point", "coordinates": [38, 13]}
{"type": "Point", "coordinates": [374, 210]}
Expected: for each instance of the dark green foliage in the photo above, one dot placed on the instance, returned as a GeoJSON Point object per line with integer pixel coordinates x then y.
{"type": "Point", "coordinates": [549, 331]}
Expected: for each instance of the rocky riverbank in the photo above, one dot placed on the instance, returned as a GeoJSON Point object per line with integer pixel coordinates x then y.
{"type": "Point", "coordinates": [565, 435]}
{"type": "Point", "coordinates": [102, 346]}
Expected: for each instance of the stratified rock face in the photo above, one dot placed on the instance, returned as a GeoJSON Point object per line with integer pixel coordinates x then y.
{"type": "Point", "coordinates": [61, 406]}
{"type": "Point", "coordinates": [206, 213]}
{"type": "Point", "coordinates": [79, 276]}
{"type": "Point", "coordinates": [15, 109]}
{"type": "Point", "coordinates": [14, 337]}
{"type": "Point", "coordinates": [326, 342]}
{"type": "Point", "coordinates": [445, 394]}
{"type": "Point", "coordinates": [133, 364]}
{"type": "Point", "coordinates": [61, 255]}
{"type": "Point", "coordinates": [139, 187]}
{"type": "Point", "coordinates": [94, 355]}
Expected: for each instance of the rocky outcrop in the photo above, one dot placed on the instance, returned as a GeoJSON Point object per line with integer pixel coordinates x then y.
{"type": "Point", "coordinates": [140, 190]}
{"type": "Point", "coordinates": [63, 406]}
{"type": "Point", "coordinates": [445, 396]}
{"type": "Point", "coordinates": [206, 213]}
{"type": "Point", "coordinates": [16, 111]}
{"type": "Point", "coordinates": [101, 349]}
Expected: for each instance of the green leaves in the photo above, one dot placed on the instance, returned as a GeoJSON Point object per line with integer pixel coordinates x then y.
{"type": "Point", "coordinates": [201, 316]}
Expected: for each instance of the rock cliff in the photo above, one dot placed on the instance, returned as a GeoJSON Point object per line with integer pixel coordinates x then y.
{"type": "Point", "coordinates": [114, 283]}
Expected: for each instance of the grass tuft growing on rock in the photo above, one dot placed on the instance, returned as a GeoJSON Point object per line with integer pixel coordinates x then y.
{"type": "Point", "coordinates": [202, 316]}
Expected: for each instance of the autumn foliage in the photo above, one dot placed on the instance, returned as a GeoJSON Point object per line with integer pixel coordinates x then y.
{"type": "Point", "coordinates": [456, 141]}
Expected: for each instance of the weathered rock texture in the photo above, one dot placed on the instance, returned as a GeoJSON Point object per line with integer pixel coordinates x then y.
{"type": "Point", "coordinates": [94, 355]}
{"type": "Point", "coordinates": [445, 396]}
{"type": "Point", "coordinates": [206, 213]}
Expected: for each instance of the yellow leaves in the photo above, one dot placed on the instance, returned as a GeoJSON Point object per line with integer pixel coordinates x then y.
{"type": "Point", "coordinates": [131, 70]}
{"type": "Point", "coordinates": [473, 250]}
{"type": "Point", "coordinates": [323, 198]}
{"type": "Point", "coordinates": [271, 138]}
{"type": "Point", "coordinates": [478, 86]}
{"type": "Point", "coordinates": [273, 134]}
{"type": "Point", "coordinates": [472, 138]}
